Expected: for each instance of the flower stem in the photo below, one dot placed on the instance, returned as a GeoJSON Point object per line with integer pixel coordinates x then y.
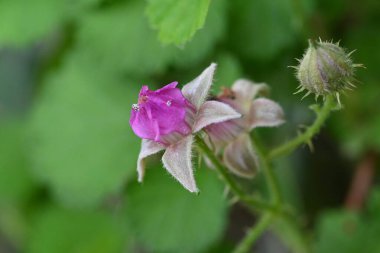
{"type": "Point", "coordinates": [289, 230]}
{"type": "Point", "coordinates": [254, 233]}
{"type": "Point", "coordinates": [270, 176]}
{"type": "Point", "coordinates": [269, 210]}
{"type": "Point", "coordinates": [322, 115]}
{"type": "Point", "coordinates": [244, 197]}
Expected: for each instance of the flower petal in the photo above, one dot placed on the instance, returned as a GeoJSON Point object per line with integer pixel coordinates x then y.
{"type": "Point", "coordinates": [160, 112]}
{"type": "Point", "coordinates": [247, 90]}
{"type": "Point", "coordinates": [213, 112]}
{"type": "Point", "coordinates": [177, 161]}
{"type": "Point", "coordinates": [196, 91]}
{"type": "Point", "coordinates": [240, 157]}
{"type": "Point", "coordinates": [265, 112]}
{"type": "Point", "coordinates": [148, 148]}
{"type": "Point", "coordinates": [169, 86]}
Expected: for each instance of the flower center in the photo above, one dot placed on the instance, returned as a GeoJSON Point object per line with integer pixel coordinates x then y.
{"type": "Point", "coordinates": [143, 99]}
{"type": "Point", "coordinates": [227, 93]}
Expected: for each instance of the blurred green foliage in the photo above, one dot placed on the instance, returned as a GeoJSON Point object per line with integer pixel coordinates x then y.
{"type": "Point", "coordinates": [16, 182]}
{"type": "Point", "coordinates": [168, 219]}
{"type": "Point", "coordinates": [68, 155]}
{"type": "Point", "coordinates": [344, 231]}
{"type": "Point", "coordinates": [60, 230]}
{"type": "Point", "coordinates": [82, 110]}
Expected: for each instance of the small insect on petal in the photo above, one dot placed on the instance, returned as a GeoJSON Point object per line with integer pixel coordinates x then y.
{"type": "Point", "coordinates": [135, 107]}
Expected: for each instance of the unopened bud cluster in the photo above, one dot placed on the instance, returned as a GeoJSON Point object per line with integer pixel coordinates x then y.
{"type": "Point", "coordinates": [326, 68]}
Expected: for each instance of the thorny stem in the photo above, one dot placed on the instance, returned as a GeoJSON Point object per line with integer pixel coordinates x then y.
{"type": "Point", "coordinates": [266, 219]}
{"type": "Point", "coordinates": [268, 209]}
{"type": "Point", "coordinates": [244, 197]}
{"type": "Point", "coordinates": [274, 209]}
{"type": "Point", "coordinates": [254, 233]}
{"type": "Point", "coordinates": [270, 176]}
{"type": "Point", "coordinates": [292, 234]}
{"type": "Point", "coordinates": [322, 115]}
{"type": "Point", "coordinates": [274, 189]}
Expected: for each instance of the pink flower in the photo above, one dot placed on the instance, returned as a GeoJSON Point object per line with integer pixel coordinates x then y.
{"type": "Point", "coordinates": [233, 135]}
{"type": "Point", "coordinates": [163, 115]}
{"type": "Point", "coordinates": [166, 119]}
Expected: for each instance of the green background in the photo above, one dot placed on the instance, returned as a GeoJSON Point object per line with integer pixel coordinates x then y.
{"type": "Point", "coordinates": [70, 71]}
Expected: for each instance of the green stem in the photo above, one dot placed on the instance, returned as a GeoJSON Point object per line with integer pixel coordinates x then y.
{"type": "Point", "coordinates": [254, 233]}
{"type": "Point", "coordinates": [270, 176]}
{"type": "Point", "coordinates": [247, 199]}
{"type": "Point", "coordinates": [270, 211]}
{"type": "Point", "coordinates": [322, 115]}
{"type": "Point", "coordinates": [288, 229]}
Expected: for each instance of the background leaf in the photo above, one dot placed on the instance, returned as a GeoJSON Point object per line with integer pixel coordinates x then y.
{"type": "Point", "coordinates": [86, 112]}
{"type": "Point", "coordinates": [177, 21]}
{"type": "Point", "coordinates": [16, 182]}
{"type": "Point", "coordinates": [15, 17]}
{"type": "Point", "coordinates": [133, 49]}
{"type": "Point", "coordinates": [62, 231]}
{"type": "Point", "coordinates": [124, 47]}
{"type": "Point", "coordinates": [167, 218]}
{"type": "Point", "coordinates": [345, 231]}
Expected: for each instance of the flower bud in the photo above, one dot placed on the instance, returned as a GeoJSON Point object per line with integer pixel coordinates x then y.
{"type": "Point", "coordinates": [325, 69]}
{"type": "Point", "coordinates": [164, 115]}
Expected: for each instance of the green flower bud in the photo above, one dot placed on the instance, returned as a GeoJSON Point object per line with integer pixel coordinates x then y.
{"type": "Point", "coordinates": [325, 69]}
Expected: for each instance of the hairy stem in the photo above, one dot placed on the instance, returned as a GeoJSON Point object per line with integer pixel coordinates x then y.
{"type": "Point", "coordinates": [254, 233]}
{"type": "Point", "coordinates": [270, 176]}
{"type": "Point", "coordinates": [322, 115]}
{"type": "Point", "coordinates": [289, 230]}
{"type": "Point", "coordinates": [244, 197]}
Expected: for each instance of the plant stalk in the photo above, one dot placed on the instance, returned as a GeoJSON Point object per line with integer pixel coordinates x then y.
{"type": "Point", "coordinates": [322, 115]}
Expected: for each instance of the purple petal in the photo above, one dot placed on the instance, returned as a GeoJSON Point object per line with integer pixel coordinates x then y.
{"type": "Point", "coordinates": [143, 125]}
{"type": "Point", "coordinates": [177, 161]}
{"type": "Point", "coordinates": [197, 90]}
{"type": "Point", "coordinates": [169, 86]}
{"type": "Point", "coordinates": [214, 112]}
{"type": "Point", "coordinates": [160, 113]}
{"type": "Point", "coordinates": [265, 113]}
{"type": "Point", "coordinates": [148, 148]}
{"type": "Point", "coordinates": [240, 157]}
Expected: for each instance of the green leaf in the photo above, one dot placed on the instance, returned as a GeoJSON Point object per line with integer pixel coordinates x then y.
{"type": "Point", "coordinates": [203, 43]}
{"type": "Point", "coordinates": [167, 218]}
{"type": "Point", "coordinates": [177, 21]}
{"type": "Point", "coordinates": [374, 202]}
{"type": "Point", "coordinates": [17, 186]}
{"type": "Point", "coordinates": [83, 146]}
{"type": "Point", "coordinates": [120, 40]}
{"type": "Point", "coordinates": [344, 231]}
{"type": "Point", "coordinates": [338, 232]}
{"type": "Point", "coordinates": [23, 22]}
{"type": "Point", "coordinates": [62, 231]}
{"type": "Point", "coordinates": [16, 182]}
